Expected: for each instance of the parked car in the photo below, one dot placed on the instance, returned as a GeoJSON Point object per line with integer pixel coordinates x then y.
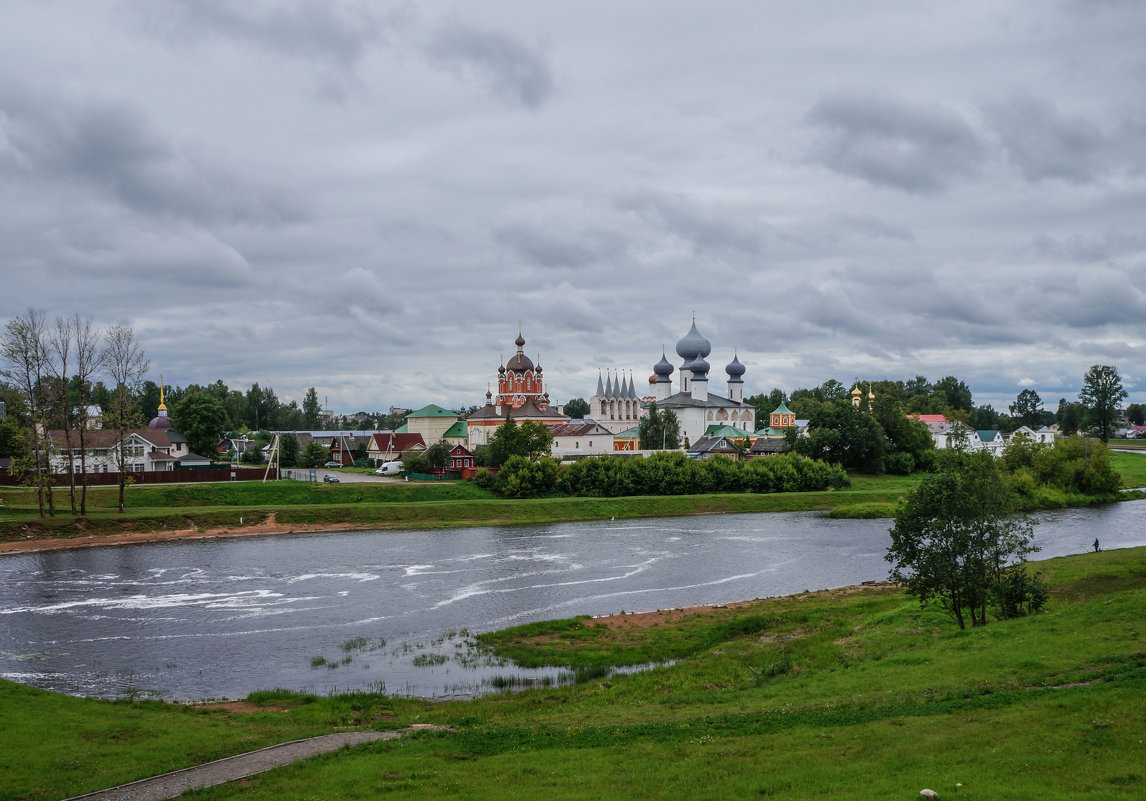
{"type": "Point", "coordinates": [390, 469]}
{"type": "Point", "coordinates": [332, 464]}
{"type": "Point", "coordinates": [329, 479]}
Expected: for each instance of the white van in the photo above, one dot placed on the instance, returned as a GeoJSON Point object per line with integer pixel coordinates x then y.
{"type": "Point", "coordinates": [389, 469]}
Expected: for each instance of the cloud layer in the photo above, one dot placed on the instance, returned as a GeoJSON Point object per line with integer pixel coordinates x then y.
{"type": "Point", "coordinates": [369, 198]}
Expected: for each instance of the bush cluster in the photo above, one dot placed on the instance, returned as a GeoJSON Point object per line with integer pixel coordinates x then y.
{"type": "Point", "coordinates": [1040, 475]}
{"type": "Point", "coordinates": [668, 473]}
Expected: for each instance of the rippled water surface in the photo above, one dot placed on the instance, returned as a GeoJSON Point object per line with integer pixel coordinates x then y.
{"type": "Point", "coordinates": [368, 610]}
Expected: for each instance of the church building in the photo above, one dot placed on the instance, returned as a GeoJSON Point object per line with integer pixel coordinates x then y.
{"type": "Point", "coordinates": [520, 394]}
{"type": "Point", "coordinates": [695, 407]}
{"type": "Point", "coordinates": [616, 405]}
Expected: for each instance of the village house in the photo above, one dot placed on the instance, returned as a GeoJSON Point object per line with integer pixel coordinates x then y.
{"type": "Point", "coordinates": [580, 438]}
{"type": "Point", "coordinates": [387, 446]}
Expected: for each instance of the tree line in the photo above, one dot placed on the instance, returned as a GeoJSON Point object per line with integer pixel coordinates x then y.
{"type": "Point", "coordinates": [1096, 411]}
{"type": "Point", "coordinates": [665, 473]}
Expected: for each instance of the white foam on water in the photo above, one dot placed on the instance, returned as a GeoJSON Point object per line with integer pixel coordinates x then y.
{"type": "Point", "coordinates": [418, 570]}
{"type": "Point", "coordinates": [147, 601]}
{"type": "Point", "coordinates": [359, 577]}
{"type": "Point", "coordinates": [483, 588]}
{"type": "Point", "coordinates": [582, 600]}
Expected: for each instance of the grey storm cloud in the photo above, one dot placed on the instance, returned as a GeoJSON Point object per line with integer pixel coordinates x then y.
{"type": "Point", "coordinates": [509, 69]}
{"type": "Point", "coordinates": [114, 149]}
{"type": "Point", "coordinates": [913, 147]}
{"type": "Point", "coordinates": [706, 227]}
{"type": "Point", "coordinates": [330, 31]}
{"type": "Point", "coordinates": [1045, 144]}
{"type": "Point", "coordinates": [1109, 247]}
{"type": "Point", "coordinates": [548, 247]}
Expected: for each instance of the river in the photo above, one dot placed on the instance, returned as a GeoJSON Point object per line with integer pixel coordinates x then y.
{"type": "Point", "coordinates": [392, 610]}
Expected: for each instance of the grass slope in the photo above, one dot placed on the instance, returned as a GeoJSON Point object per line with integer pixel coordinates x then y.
{"type": "Point", "coordinates": [856, 694]}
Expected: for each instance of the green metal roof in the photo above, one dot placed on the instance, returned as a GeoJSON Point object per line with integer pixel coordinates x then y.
{"type": "Point", "coordinates": [402, 429]}
{"type": "Point", "coordinates": [458, 429]}
{"type": "Point", "coordinates": [635, 431]}
{"type": "Point", "coordinates": [782, 409]}
{"type": "Point", "coordinates": [722, 430]}
{"type": "Point", "coordinates": [433, 410]}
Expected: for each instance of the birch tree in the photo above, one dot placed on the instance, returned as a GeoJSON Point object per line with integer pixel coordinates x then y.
{"type": "Point", "coordinates": [89, 362]}
{"type": "Point", "coordinates": [126, 365]}
{"type": "Point", "coordinates": [60, 344]}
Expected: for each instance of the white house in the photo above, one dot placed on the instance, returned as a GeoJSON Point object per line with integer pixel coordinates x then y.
{"type": "Point", "coordinates": [145, 451]}
{"type": "Point", "coordinates": [1044, 436]}
{"type": "Point", "coordinates": [580, 438]}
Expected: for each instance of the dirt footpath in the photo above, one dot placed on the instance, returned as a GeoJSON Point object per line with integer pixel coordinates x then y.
{"type": "Point", "coordinates": [170, 785]}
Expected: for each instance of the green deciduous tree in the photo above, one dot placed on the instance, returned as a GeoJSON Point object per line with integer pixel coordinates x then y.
{"type": "Point", "coordinates": [1136, 413]}
{"type": "Point", "coordinates": [841, 434]}
{"type": "Point", "coordinates": [311, 410]}
{"type": "Point", "coordinates": [577, 408]}
{"type": "Point", "coordinates": [202, 420]}
{"type": "Point", "coordinates": [953, 393]}
{"type": "Point", "coordinates": [1070, 416]}
{"type": "Point", "coordinates": [910, 445]}
{"type": "Point", "coordinates": [314, 455]}
{"type": "Point", "coordinates": [529, 440]}
{"type": "Point", "coordinates": [956, 541]}
{"type": "Point", "coordinates": [24, 353]}
{"type": "Point", "coordinates": [438, 455]}
{"type": "Point", "coordinates": [1102, 395]}
{"type": "Point", "coordinates": [659, 430]}
{"type": "Point", "coordinates": [288, 451]}
{"type": "Point", "coordinates": [1028, 408]}
{"type": "Point", "coordinates": [415, 461]}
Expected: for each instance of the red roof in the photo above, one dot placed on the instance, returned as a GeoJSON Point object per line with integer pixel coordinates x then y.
{"type": "Point", "coordinates": [928, 418]}
{"type": "Point", "coordinates": [388, 442]}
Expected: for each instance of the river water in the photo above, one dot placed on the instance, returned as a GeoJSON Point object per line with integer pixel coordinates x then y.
{"type": "Point", "coordinates": [393, 610]}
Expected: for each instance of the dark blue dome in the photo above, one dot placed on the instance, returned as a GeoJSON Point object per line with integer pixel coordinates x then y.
{"type": "Point", "coordinates": [735, 369]}
{"type": "Point", "coordinates": [693, 345]}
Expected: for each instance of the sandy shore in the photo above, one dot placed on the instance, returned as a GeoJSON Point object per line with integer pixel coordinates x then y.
{"type": "Point", "coordinates": [268, 526]}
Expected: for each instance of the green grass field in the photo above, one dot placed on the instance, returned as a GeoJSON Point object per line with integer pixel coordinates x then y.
{"type": "Point", "coordinates": [856, 694]}
{"type": "Point", "coordinates": [389, 505]}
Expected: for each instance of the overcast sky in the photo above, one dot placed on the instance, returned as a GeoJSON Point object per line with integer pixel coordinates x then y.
{"type": "Point", "coordinates": [368, 197]}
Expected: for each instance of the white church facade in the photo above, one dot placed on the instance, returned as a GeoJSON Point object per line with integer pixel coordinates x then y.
{"type": "Point", "coordinates": [617, 406]}
{"type": "Point", "coordinates": [695, 406]}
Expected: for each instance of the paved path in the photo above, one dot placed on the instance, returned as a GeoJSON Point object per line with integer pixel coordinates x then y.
{"type": "Point", "coordinates": [170, 785]}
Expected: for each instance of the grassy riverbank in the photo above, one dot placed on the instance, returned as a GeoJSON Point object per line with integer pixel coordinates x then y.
{"type": "Point", "coordinates": [236, 507]}
{"type": "Point", "coordinates": [846, 693]}
{"type": "Point", "coordinates": [390, 505]}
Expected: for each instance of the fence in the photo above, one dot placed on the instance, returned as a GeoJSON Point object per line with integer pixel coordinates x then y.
{"type": "Point", "coordinates": [182, 476]}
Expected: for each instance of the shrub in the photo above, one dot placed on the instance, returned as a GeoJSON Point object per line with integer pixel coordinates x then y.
{"type": "Point", "coordinates": [1019, 593]}
{"type": "Point", "coordinates": [521, 478]}
{"type": "Point", "coordinates": [900, 463]}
